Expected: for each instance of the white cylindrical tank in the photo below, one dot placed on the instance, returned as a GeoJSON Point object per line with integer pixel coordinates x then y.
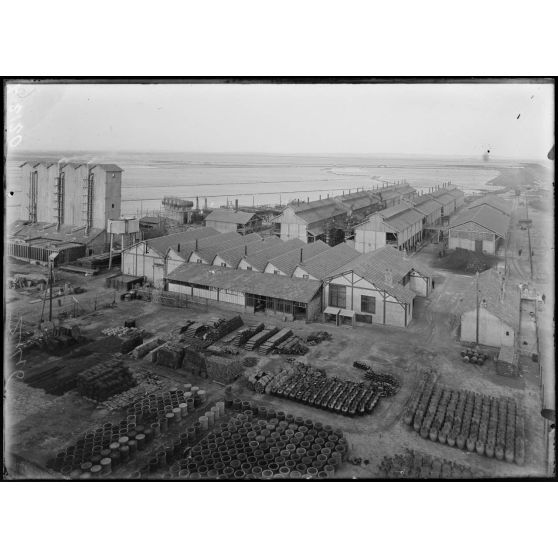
{"type": "Point", "coordinates": [123, 226]}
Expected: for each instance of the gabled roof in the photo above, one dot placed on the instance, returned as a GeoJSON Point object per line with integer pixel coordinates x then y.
{"type": "Point", "coordinates": [260, 259]}
{"type": "Point", "coordinates": [494, 202]}
{"type": "Point", "coordinates": [186, 239]}
{"type": "Point", "coordinates": [427, 205]}
{"type": "Point", "coordinates": [442, 196]}
{"type": "Point", "coordinates": [319, 210]}
{"type": "Point", "coordinates": [373, 266]}
{"type": "Point", "coordinates": [389, 194]}
{"type": "Point", "coordinates": [287, 262]}
{"type": "Point", "coordinates": [455, 192]}
{"type": "Point", "coordinates": [230, 216]}
{"type": "Point", "coordinates": [232, 256]}
{"type": "Point", "coordinates": [324, 263]}
{"type": "Point", "coordinates": [505, 304]}
{"type": "Point", "coordinates": [216, 244]}
{"type": "Point", "coordinates": [263, 284]}
{"type": "Point", "coordinates": [109, 167]}
{"type": "Point", "coordinates": [359, 200]}
{"type": "Point", "coordinates": [485, 216]}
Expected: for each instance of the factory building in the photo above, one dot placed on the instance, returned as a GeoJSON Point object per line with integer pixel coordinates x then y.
{"type": "Point", "coordinates": [155, 257]}
{"type": "Point", "coordinates": [490, 311]}
{"type": "Point", "coordinates": [177, 209]}
{"type": "Point", "coordinates": [430, 209]}
{"type": "Point", "coordinates": [78, 194]}
{"type": "Point", "coordinates": [395, 194]}
{"type": "Point", "coordinates": [323, 264]}
{"type": "Point", "coordinates": [247, 291]}
{"type": "Point", "coordinates": [480, 229]}
{"type": "Point", "coordinates": [378, 287]}
{"type": "Point", "coordinates": [37, 242]}
{"type": "Point", "coordinates": [258, 261]}
{"type": "Point", "coordinates": [400, 226]}
{"type": "Point", "coordinates": [493, 202]}
{"type": "Point", "coordinates": [231, 257]}
{"type": "Point", "coordinates": [230, 220]}
{"type": "Point", "coordinates": [286, 263]}
{"type": "Point", "coordinates": [360, 204]}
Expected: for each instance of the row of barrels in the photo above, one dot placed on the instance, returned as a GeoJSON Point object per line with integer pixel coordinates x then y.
{"type": "Point", "coordinates": [489, 426]}
{"type": "Point", "coordinates": [331, 394]}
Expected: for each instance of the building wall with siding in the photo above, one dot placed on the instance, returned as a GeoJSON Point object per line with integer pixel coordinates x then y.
{"type": "Point", "coordinates": [220, 226]}
{"type": "Point", "coordinates": [492, 330]}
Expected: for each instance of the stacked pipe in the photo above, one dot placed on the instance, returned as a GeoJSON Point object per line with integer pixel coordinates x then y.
{"type": "Point", "coordinates": [261, 443]}
{"type": "Point", "coordinates": [489, 426]}
{"type": "Point", "coordinates": [414, 465]}
{"type": "Point", "coordinates": [473, 356]}
{"type": "Point", "coordinates": [105, 379]}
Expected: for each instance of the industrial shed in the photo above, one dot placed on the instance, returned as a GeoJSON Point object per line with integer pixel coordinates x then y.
{"type": "Point", "coordinates": [255, 292]}
{"type": "Point", "coordinates": [35, 242]}
{"type": "Point", "coordinates": [378, 287]}
{"type": "Point", "coordinates": [399, 226]}
{"type": "Point", "coordinates": [447, 202]}
{"type": "Point", "coordinates": [360, 204]}
{"type": "Point", "coordinates": [156, 257]}
{"type": "Point", "coordinates": [324, 263]}
{"type": "Point", "coordinates": [206, 252]}
{"type": "Point", "coordinates": [495, 203]}
{"type": "Point", "coordinates": [430, 209]}
{"type": "Point", "coordinates": [311, 221]}
{"type": "Point", "coordinates": [259, 260]}
{"type": "Point", "coordinates": [230, 220]}
{"type": "Point", "coordinates": [286, 263]}
{"type": "Point", "coordinates": [490, 311]}
{"type": "Point", "coordinates": [231, 257]}
{"type": "Point", "coordinates": [480, 229]}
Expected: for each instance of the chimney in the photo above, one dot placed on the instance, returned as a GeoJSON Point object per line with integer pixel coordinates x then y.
{"type": "Point", "coordinates": [205, 204]}
{"type": "Point", "coordinates": [178, 247]}
{"type": "Point", "coordinates": [246, 249]}
{"type": "Point", "coordinates": [197, 203]}
{"type": "Point", "coordinates": [196, 243]}
{"type": "Point", "coordinates": [308, 199]}
{"type": "Point", "coordinates": [301, 254]}
{"type": "Point", "coordinates": [236, 205]}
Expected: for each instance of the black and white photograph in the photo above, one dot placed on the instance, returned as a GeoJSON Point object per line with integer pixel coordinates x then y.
{"type": "Point", "coordinates": [279, 279]}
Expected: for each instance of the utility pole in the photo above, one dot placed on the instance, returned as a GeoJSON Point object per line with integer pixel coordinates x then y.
{"type": "Point", "coordinates": [50, 265]}
{"type": "Point", "coordinates": [477, 289]}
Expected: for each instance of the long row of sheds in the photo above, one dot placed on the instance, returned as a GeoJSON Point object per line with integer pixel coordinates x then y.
{"type": "Point", "coordinates": [292, 278]}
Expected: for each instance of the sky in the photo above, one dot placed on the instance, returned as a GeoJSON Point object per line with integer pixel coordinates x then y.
{"type": "Point", "coordinates": [511, 120]}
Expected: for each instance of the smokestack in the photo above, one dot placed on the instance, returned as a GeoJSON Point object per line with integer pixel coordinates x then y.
{"type": "Point", "coordinates": [301, 255]}
{"type": "Point", "coordinates": [197, 203]}
{"type": "Point", "coordinates": [236, 205]}
{"type": "Point", "coordinates": [205, 204]}
{"type": "Point", "coordinates": [245, 249]}
{"type": "Point", "coordinates": [307, 199]}
{"type": "Point", "coordinates": [178, 247]}
{"type": "Point", "coordinates": [196, 243]}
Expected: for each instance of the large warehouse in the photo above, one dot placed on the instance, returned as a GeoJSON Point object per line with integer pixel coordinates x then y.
{"type": "Point", "coordinates": [378, 287]}
{"type": "Point", "coordinates": [252, 292]}
{"type": "Point", "coordinates": [480, 229]}
{"type": "Point", "coordinates": [230, 220]}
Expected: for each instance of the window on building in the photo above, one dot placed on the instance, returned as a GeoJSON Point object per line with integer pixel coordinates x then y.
{"type": "Point", "coordinates": [249, 267]}
{"type": "Point", "coordinates": [364, 318]}
{"type": "Point", "coordinates": [507, 333]}
{"type": "Point", "coordinates": [338, 296]}
{"type": "Point", "coordinates": [406, 279]}
{"type": "Point", "coordinates": [368, 304]}
{"type": "Point", "coordinates": [199, 260]}
{"type": "Point", "coordinates": [223, 264]}
{"type": "Point", "coordinates": [305, 276]}
{"type": "Point", "coordinates": [112, 206]}
{"type": "Point", "coordinates": [276, 272]}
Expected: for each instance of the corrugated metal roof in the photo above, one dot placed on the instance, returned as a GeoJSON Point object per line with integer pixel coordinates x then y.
{"type": "Point", "coordinates": [287, 262]}
{"type": "Point", "coordinates": [427, 206]}
{"type": "Point", "coordinates": [322, 264]}
{"type": "Point", "coordinates": [319, 210]}
{"type": "Point", "coordinates": [494, 202]}
{"type": "Point", "coordinates": [233, 255]}
{"type": "Point", "coordinates": [215, 244]}
{"type": "Point", "coordinates": [186, 239]}
{"type": "Point", "coordinates": [373, 266]}
{"type": "Point", "coordinates": [109, 167]}
{"type": "Point", "coordinates": [263, 284]}
{"type": "Point", "coordinates": [359, 200]}
{"type": "Point", "coordinates": [485, 216]}
{"type": "Point", "coordinates": [260, 259]}
{"type": "Point", "coordinates": [506, 307]}
{"type": "Point", "coordinates": [455, 192]}
{"type": "Point", "coordinates": [229, 216]}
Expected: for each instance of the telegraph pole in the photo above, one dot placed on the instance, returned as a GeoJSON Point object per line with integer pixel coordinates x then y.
{"type": "Point", "coordinates": [477, 289]}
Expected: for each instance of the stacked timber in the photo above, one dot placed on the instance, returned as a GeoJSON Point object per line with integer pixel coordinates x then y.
{"type": "Point", "coordinates": [141, 350]}
{"type": "Point", "coordinates": [261, 337]}
{"type": "Point", "coordinates": [170, 355]}
{"type": "Point", "coordinates": [267, 346]}
{"type": "Point", "coordinates": [244, 334]}
{"type": "Point", "coordinates": [292, 346]}
{"type": "Point", "coordinates": [105, 380]}
{"type": "Point", "coordinates": [221, 369]}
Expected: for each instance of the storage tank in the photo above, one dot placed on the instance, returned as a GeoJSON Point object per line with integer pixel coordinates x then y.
{"type": "Point", "coordinates": [123, 226]}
